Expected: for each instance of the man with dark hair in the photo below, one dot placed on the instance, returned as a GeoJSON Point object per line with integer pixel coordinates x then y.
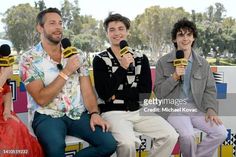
{"type": "Point", "coordinates": [193, 85]}
{"type": "Point", "coordinates": [40, 19]}
{"type": "Point", "coordinates": [61, 98]}
{"type": "Point", "coordinates": [120, 87]}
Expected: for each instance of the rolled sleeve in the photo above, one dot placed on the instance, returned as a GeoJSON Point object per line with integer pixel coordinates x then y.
{"type": "Point", "coordinates": [28, 70]}
{"type": "Point", "coordinates": [84, 69]}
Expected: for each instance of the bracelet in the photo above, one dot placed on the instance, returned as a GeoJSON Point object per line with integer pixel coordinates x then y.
{"type": "Point", "coordinates": [63, 75]}
{"type": "Point", "coordinates": [93, 113]}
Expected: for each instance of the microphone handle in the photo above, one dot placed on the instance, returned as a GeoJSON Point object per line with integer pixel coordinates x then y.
{"type": "Point", "coordinates": [8, 81]}
{"type": "Point", "coordinates": [181, 80]}
{"type": "Point", "coordinates": [131, 67]}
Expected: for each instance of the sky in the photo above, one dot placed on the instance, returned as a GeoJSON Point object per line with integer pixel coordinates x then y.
{"type": "Point", "coordinates": [99, 9]}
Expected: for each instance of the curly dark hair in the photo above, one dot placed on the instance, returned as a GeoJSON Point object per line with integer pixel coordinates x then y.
{"type": "Point", "coordinates": [40, 17]}
{"type": "Point", "coordinates": [184, 24]}
{"type": "Point", "coordinates": [116, 17]}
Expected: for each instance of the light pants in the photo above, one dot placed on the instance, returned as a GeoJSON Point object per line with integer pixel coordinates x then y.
{"type": "Point", "coordinates": [184, 124]}
{"type": "Point", "coordinates": [124, 123]}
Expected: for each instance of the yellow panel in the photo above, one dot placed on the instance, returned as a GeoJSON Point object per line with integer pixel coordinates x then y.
{"type": "Point", "coordinates": [146, 153]}
{"type": "Point", "coordinates": [91, 76]}
{"type": "Point", "coordinates": [16, 77]}
{"type": "Point", "coordinates": [72, 147]}
{"type": "Point", "coordinates": [225, 151]}
{"type": "Point", "coordinates": [143, 154]}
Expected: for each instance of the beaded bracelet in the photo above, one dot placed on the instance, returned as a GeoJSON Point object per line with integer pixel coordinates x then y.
{"type": "Point", "coordinates": [63, 75]}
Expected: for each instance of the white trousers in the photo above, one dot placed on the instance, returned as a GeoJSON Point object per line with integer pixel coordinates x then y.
{"type": "Point", "coordinates": [123, 127]}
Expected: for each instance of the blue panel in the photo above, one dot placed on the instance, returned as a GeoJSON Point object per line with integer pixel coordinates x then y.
{"type": "Point", "coordinates": [221, 90]}
{"type": "Point", "coordinates": [22, 87]}
{"type": "Point", "coordinates": [228, 135]}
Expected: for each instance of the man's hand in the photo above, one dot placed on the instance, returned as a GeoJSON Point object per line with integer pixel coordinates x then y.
{"type": "Point", "coordinates": [212, 117]}
{"type": "Point", "coordinates": [72, 65]}
{"type": "Point", "coordinates": [126, 60]}
{"type": "Point", "coordinates": [97, 120]}
{"type": "Point", "coordinates": [180, 70]}
{"type": "Point", "coordinates": [6, 72]}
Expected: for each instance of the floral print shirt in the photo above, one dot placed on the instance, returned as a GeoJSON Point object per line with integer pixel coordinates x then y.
{"type": "Point", "coordinates": [36, 64]}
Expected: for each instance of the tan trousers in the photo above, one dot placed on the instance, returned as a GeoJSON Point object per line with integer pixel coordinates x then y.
{"type": "Point", "coordinates": [124, 125]}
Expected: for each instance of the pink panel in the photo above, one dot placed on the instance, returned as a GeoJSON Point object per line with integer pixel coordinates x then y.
{"type": "Point", "coordinates": [176, 149]}
{"type": "Point", "coordinates": [20, 104]}
{"type": "Point", "coordinates": [153, 73]}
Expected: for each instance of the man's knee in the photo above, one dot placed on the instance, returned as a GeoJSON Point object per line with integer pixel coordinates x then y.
{"type": "Point", "coordinates": [109, 146]}
{"type": "Point", "coordinates": [52, 145]}
{"type": "Point", "coordinates": [54, 149]}
{"type": "Point", "coordinates": [173, 136]}
{"type": "Point", "coordinates": [220, 135]}
{"type": "Point", "coordinates": [187, 137]}
{"type": "Point", "coordinates": [170, 136]}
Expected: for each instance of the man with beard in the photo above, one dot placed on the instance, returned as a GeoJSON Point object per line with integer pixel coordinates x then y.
{"type": "Point", "coordinates": [61, 98]}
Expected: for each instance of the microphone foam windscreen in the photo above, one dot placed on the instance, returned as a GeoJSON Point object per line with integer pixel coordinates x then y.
{"type": "Point", "coordinates": [59, 66]}
{"type": "Point", "coordinates": [123, 44]}
{"type": "Point", "coordinates": [5, 50]}
{"type": "Point", "coordinates": [65, 43]}
{"type": "Point", "coordinates": [179, 54]}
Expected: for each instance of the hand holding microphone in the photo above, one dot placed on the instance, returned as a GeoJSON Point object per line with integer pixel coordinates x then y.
{"type": "Point", "coordinates": [72, 65]}
{"type": "Point", "coordinates": [74, 60]}
{"type": "Point", "coordinates": [180, 62]}
{"type": "Point", "coordinates": [126, 61]}
{"type": "Point", "coordinates": [127, 58]}
{"type": "Point", "coordinates": [6, 72]}
{"type": "Point", "coordinates": [179, 72]}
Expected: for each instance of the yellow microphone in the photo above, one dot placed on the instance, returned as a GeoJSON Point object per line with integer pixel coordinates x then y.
{"type": "Point", "coordinates": [126, 49]}
{"type": "Point", "coordinates": [68, 49]}
{"type": "Point", "coordinates": [5, 59]}
{"type": "Point", "coordinates": [180, 60]}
